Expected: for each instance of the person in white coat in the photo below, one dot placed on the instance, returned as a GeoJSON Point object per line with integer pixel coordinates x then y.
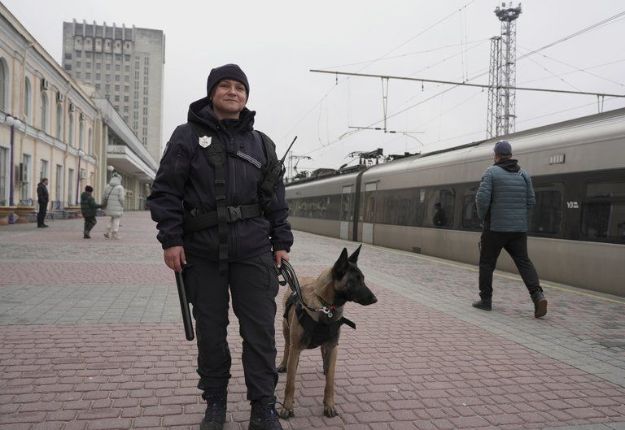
{"type": "Point", "coordinates": [114, 195]}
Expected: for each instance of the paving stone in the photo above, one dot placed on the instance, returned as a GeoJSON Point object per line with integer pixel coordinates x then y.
{"type": "Point", "coordinates": [91, 338]}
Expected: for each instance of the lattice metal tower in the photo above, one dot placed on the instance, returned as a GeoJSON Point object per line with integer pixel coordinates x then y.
{"type": "Point", "coordinates": [502, 74]}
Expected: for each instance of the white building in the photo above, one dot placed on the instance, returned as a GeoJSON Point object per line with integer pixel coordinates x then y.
{"type": "Point", "coordinates": [126, 65]}
{"type": "Point", "coordinates": [53, 127]}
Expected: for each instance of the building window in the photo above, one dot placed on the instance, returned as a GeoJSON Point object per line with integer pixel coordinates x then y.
{"type": "Point", "coordinates": [59, 120]}
{"type": "Point", "coordinates": [26, 161]}
{"type": "Point", "coordinates": [43, 172]}
{"type": "Point", "coordinates": [4, 79]}
{"type": "Point", "coordinates": [77, 64]}
{"type": "Point", "coordinates": [78, 55]}
{"type": "Point", "coordinates": [4, 175]}
{"type": "Point", "coordinates": [90, 142]}
{"type": "Point", "coordinates": [69, 56]}
{"type": "Point", "coordinates": [70, 186]}
{"type": "Point", "coordinates": [59, 183]}
{"type": "Point", "coordinates": [44, 112]}
{"type": "Point", "coordinates": [27, 99]}
{"type": "Point", "coordinates": [70, 134]}
{"type": "Point", "coordinates": [81, 134]}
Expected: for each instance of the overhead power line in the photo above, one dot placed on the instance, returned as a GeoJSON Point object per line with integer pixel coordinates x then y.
{"type": "Point", "coordinates": [466, 84]}
{"type": "Point", "coordinates": [577, 33]}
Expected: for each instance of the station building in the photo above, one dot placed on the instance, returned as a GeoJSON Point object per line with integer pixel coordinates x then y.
{"type": "Point", "coordinates": [53, 126]}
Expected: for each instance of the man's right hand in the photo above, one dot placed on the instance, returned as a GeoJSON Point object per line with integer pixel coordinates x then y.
{"type": "Point", "coordinates": [174, 258]}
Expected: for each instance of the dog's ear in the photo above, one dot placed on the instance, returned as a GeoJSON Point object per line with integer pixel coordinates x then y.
{"type": "Point", "coordinates": [340, 266]}
{"type": "Point", "coordinates": [354, 257]}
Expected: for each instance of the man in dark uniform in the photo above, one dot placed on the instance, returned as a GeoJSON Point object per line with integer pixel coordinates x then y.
{"type": "Point", "coordinates": [220, 229]}
{"type": "Point", "coordinates": [42, 199]}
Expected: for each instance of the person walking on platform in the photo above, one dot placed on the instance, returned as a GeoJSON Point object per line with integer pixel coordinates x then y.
{"type": "Point", "coordinates": [89, 209]}
{"type": "Point", "coordinates": [503, 200]}
{"type": "Point", "coordinates": [114, 195]}
{"type": "Point", "coordinates": [42, 199]}
{"type": "Point", "coordinates": [219, 202]}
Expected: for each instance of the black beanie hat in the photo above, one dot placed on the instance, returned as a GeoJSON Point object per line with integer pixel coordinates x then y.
{"type": "Point", "coordinates": [89, 188]}
{"type": "Point", "coordinates": [228, 71]}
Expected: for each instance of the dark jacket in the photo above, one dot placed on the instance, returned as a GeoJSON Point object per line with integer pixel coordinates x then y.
{"type": "Point", "coordinates": [88, 206]}
{"type": "Point", "coordinates": [185, 179]}
{"type": "Point", "coordinates": [42, 193]}
{"type": "Point", "coordinates": [505, 195]}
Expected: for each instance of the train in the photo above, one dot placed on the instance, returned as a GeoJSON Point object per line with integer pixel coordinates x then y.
{"type": "Point", "coordinates": [426, 203]}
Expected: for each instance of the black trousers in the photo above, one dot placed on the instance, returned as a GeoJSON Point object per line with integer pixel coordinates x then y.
{"type": "Point", "coordinates": [90, 222]}
{"type": "Point", "coordinates": [515, 243]}
{"type": "Point", "coordinates": [253, 284]}
{"type": "Point", "coordinates": [41, 215]}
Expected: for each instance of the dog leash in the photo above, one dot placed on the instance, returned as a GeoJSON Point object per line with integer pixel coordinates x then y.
{"type": "Point", "coordinates": [289, 277]}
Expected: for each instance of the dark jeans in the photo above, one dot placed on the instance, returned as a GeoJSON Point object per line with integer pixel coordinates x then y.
{"type": "Point", "coordinates": [41, 215]}
{"type": "Point", "coordinates": [253, 284]}
{"type": "Point", "coordinates": [90, 222]}
{"type": "Point", "coordinates": [515, 244]}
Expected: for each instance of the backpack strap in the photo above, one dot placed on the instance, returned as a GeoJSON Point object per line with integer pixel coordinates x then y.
{"type": "Point", "coordinates": [273, 171]}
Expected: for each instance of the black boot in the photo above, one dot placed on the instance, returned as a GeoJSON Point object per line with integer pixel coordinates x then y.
{"type": "Point", "coordinates": [264, 415]}
{"type": "Point", "coordinates": [215, 415]}
{"type": "Point", "coordinates": [540, 304]}
{"type": "Point", "coordinates": [483, 304]}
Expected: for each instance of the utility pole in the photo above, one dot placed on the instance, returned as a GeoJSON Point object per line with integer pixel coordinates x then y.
{"type": "Point", "coordinates": [502, 74]}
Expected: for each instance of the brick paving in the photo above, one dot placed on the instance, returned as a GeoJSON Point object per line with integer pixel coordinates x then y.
{"type": "Point", "coordinates": [90, 338]}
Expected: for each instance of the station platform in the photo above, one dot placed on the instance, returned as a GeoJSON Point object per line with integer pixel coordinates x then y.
{"type": "Point", "coordinates": [91, 338]}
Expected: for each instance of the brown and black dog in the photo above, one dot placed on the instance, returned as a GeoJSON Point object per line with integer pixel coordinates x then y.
{"type": "Point", "coordinates": [309, 325]}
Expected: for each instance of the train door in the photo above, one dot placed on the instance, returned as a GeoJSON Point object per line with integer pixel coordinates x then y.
{"type": "Point", "coordinates": [346, 211]}
{"type": "Point", "coordinates": [367, 225]}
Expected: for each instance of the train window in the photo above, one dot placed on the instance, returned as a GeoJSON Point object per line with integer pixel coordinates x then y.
{"type": "Point", "coordinates": [603, 214]}
{"type": "Point", "coordinates": [369, 213]}
{"type": "Point", "coordinates": [440, 207]}
{"type": "Point", "coordinates": [546, 216]}
{"type": "Point", "coordinates": [470, 220]}
{"type": "Point", "coordinates": [400, 207]}
{"type": "Point", "coordinates": [347, 206]}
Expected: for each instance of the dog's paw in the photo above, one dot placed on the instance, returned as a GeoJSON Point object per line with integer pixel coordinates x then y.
{"type": "Point", "coordinates": [281, 369]}
{"type": "Point", "coordinates": [285, 413]}
{"type": "Point", "coordinates": [329, 411]}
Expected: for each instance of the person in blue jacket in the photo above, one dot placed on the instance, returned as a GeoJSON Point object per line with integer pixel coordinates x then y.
{"type": "Point", "coordinates": [225, 232]}
{"type": "Point", "coordinates": [503, 200]}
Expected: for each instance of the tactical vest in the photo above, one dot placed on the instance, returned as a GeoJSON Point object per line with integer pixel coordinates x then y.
{"type": "Point", "coordinates": [196, 219]}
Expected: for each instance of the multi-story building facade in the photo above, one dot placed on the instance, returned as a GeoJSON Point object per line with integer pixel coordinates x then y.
{"type": "Point", "coordinates": [126, 66]}
{"type": "Point", "coordinates": [52, 126]}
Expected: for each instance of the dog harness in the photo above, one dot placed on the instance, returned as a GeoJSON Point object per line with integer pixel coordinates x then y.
{"type": "Point", "coordinates": [316, 332]}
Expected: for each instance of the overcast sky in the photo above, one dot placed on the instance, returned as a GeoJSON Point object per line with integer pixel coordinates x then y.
{"type": "Point", "coordinates": [278, 42]}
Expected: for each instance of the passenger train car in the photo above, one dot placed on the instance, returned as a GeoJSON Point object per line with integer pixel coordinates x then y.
{"type": "Point", "coordinates": [426, 204]}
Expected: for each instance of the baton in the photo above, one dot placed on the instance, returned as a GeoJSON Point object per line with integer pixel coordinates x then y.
{"type": "Point", "coordinates": [184, 307]}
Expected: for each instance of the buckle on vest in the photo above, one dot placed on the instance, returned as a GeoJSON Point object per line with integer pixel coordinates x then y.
{"type": "Point", "coordinates": [234, 213]}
